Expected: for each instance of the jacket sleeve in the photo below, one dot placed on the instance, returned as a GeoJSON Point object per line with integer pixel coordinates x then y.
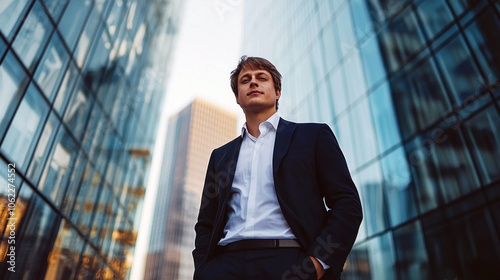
{"type": "Point", "coordinates": [206, 216]}
{"type": "Point", "coordinates": [344, 215]}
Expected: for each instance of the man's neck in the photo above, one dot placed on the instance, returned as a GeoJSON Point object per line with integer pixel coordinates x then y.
{"type": "Point", "coordinates": [255, 119]}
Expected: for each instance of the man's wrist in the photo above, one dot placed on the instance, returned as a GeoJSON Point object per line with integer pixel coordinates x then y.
{"type": "Point", "coordinates": [324, 265]}
{"type": "Point", "coordinates": [320, 270]}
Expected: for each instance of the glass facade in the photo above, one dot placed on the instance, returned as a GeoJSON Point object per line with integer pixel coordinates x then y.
{"type": "Point", "coordinates": [411, 90]}
{"type": "Point", "coordinates": [82, 83]}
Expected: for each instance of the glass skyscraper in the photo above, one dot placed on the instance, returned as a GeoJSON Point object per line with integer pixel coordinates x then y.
{"type": "Point", "coordinates": [411, 90]}
{"type": "Point", "coordinates": [81, 89]}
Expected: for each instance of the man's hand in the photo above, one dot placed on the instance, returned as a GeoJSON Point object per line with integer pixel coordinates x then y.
{"type": "Point", "coordinates": [320, 271]}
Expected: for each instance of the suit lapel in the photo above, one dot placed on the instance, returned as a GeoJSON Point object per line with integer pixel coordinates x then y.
{"type": "Point", "coordinates": [230, 159]}
{"type": "Point", "coordinates": [284, 135]}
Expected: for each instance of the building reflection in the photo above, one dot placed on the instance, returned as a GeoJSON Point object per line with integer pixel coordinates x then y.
{"type": "Point", "coordinates": [82, 83]}
{"type": "Point", "coordinates": [411, 90]}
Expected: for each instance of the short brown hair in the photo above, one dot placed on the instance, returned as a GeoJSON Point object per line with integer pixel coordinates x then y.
{"type": "Point", "coordinates": [253, 62]}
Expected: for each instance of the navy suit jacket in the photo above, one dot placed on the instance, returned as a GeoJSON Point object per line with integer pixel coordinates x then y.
{"type": "Point", "coordinates": [309, 171]}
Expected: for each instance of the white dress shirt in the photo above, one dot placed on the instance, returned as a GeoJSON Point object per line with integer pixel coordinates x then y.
{"type": "Point", "coordinates": [254, 211]}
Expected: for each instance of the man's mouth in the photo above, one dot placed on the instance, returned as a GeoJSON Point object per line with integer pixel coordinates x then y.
{"type": "Point", "coordinates": [254, 92]}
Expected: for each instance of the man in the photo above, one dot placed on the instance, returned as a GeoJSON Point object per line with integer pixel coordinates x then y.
{"type": "Point", "coordinates": [263, 213]}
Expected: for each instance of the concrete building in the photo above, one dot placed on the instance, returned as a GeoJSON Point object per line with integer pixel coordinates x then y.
{"type": "Point", "coordinates": [192, 135]}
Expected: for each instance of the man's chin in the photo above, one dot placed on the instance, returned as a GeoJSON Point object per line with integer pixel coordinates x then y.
{"type": "Point", "coordinates": [257, 107]}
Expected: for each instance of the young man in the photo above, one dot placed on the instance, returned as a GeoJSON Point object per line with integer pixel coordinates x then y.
{"type": "Point", "coordinates": [263, 213]}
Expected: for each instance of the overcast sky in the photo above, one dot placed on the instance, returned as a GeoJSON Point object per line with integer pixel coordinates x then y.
{"type": "Point", "coordinates": [208, 48]}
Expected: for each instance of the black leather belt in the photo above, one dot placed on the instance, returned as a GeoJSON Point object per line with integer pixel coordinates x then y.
{"type": "Point", "coordinates": [252, 244]}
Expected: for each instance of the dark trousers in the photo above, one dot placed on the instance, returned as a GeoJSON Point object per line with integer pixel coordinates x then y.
{"type": "Point", "coordinates": [268, 264]}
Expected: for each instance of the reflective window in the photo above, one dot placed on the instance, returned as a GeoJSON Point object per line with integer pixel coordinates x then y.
{"type": "Point", "coordinates": [82, 209]}
{"type": "Point", "coordinates": [355, 79]}
{"type": "Point", "coordinates": [73, 19]}
{"type": "Point", "coordinates": [316, 61]}
{"type": "Point", "coordinates": [363, 133]}
{"type": "Point", "coordinates": [485, 43]}
{"type": "Point", "coordinates": [372, 196]}
{"type": "Point", "coordinates": [411, 255]}
{"type": "Point", "coordinates": [21, 138]}
{"type": "Point", "coordinates": [399, 188]}
{"type": "Point", "coordinates": [55, 7]}
{"type": "Point", "coordinates": [97, 65]}
{"type": "Point", "coordinates": [363, 22]}
{"type": "Point", "coordinates": [33, 36]}
{"type": "Point", "coordinates": [93, 266]}
{"type": "Point", "coordinates": [110, 242]}
{"type": "Point", "coordinates": [9, 199]}
{"type": "Point", "coordinates": [115, 16]}
{"type": "Point", "coordinates": [461, 73]}
{"type": "Point", "coordinates": [103, 6]}
{"type": "Point", "coordinates": [473, 238]}
{"type": "Point", "coordinates": [345, 141]}
{"type": "Point", "coordinates": [64, 92]}
{"type": "Point", "coordinates": [381, 256]}
{"type": "Point", "coordinates": [50, 71]}
{"type": "Point", "coordinates": [13, 81]}
{"type": "Point", "coordinates": [65, 255]}
{"type": "Point", "coordinates": [336, 4]}
{"type": "Point", "coordinates": [43, 148]}
{"type": "Point", "coordinates": [384, 118]}
{"type": "Point", "coordinates": [484, 132]}
{"type": "Point", "coordinates": [308, 109]}
{"type": "Point", "coordinates": [11, 15]}
{"type": "Point", "coordinates": [435, 15]}
{"type": "Point", "coordinates": [78, 111]}
{"type": "Point", "coordinates": [59, 167]}
{"type": "Point", "coordinates": [461, 5]}
{"type": "Point", "coordinates": [98, 125]}
{"type": "Point", "coordinates": [3, 47]}
{"type": "Point", "coordinates": [325, 14]}
{"type": "Point", "coordinates": [101, 215]}
{"type": "Point", "coordinates": [347, 41]}
{"type": "Point", "coordinates": [87, 37]}
{"type": "Point", "coordinates": [419, 98]}
{"type": "Point", "coordinates": [400, 40]}
{"type": "Point", "coordinates": [382, 10]}
{"type": "Point", "coordinates": [372, 61]}
{"type": "Point", "coordinates": [358, 264]}
{"type": "Point", "coordinates": [75, 181]}
{"type": "Point", "coordinates": [323, 100]}
{"type": "Point", "coordinates": [339, 92]}
{"type": "Point", "coordinates": [38, 229]}
{"type": "Point", "coordinates": [442, 167]}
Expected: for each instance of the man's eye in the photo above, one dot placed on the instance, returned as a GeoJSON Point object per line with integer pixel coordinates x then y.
{"type": "Point", "coordinates": [244, 81]}
{"type": "Point", "coordinates": [263, 79]}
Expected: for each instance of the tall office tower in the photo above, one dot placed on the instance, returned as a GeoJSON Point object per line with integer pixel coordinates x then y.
{"type": "Point", "coordinates": [81, 89]}
{"type": "Point", "coordinates": [411, 90]}
{"type": "Point", "coordinates": [191, 137]}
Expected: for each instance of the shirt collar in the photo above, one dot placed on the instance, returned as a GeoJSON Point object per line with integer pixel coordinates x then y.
{"type": "Point", "coordinates": [273, 120]}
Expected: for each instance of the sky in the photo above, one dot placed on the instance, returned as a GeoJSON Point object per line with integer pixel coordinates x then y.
{"type": "Point", "coordinates": [208, 48]}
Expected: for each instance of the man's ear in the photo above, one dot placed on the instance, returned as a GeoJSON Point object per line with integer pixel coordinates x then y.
{"type": "Point", "coordinates": [278, 94]}
{"type": "Point", "coordinates": [236, 96]}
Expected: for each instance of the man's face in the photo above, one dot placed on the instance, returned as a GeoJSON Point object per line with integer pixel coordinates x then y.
{"type": "Point", "coordinates": [256, 91]}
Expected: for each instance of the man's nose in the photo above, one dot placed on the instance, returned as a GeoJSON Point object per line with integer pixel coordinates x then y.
{"type": "Point", "coordinates": [253, 82]}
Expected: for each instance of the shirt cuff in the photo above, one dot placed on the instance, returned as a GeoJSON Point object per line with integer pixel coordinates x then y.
{"type": "Point", "coordinates": [324, 265]}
